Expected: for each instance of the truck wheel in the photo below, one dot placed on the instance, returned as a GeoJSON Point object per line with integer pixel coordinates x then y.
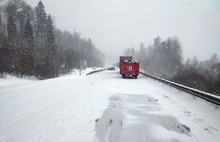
{"type": "Point", "coordinates": [123, 76]}
{"type": "Point", "coordinates": [135, 76]}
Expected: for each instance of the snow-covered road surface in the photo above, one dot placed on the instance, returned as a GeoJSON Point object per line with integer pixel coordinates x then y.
{"type": "Point", "coordinates": [103, 107]}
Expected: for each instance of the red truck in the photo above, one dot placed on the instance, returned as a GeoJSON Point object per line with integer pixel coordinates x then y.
{"type": "Point", "coordinates": [128, 67]}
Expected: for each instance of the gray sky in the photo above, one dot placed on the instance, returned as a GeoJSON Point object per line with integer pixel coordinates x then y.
{"type": "Point", "coordinates": [114, 25]}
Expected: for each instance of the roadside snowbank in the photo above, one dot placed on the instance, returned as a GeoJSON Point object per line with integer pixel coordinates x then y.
{"type": "Point", "coordinates": [75, 72]}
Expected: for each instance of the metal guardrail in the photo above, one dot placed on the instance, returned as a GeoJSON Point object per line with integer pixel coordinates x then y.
{"type": "Point", "coordinates": [204, 95]}
{"type": "Point", "coordinates": [95, 71]}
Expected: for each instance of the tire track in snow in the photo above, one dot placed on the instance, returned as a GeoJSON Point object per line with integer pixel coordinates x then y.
{"type": "Point", "coordinates": [133, 117]}
{"type": "Point", "coordinates": [57, 105]}
{"type": "Point", "coordinates": [109, 125]}
{"type": "Point", "coordinates": [68, 124]}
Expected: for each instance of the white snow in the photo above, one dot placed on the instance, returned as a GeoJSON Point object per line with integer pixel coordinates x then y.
{"type": "Point", "coordinates": [102, 107]}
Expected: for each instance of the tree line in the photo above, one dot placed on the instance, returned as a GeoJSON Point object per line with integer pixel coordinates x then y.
{"type": "Point", "coordinates": [31, 45]}
{"type": "Point", "coordinates": [164, 59]}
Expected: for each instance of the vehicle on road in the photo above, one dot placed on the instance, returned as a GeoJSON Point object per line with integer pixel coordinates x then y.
{"type": "Point", "coordinates": [123, 59]}
{"type": "Point", "coordinates": [129, 68]}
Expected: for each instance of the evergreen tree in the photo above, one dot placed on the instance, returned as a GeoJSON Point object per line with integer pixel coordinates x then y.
{"type": "Point", "coordinates": [50, 37]}
{"type": "Point", "coordinates": [142, 53]}
{"type": "Point", "coordinates": [214, 59]}
{"type": "Point", "coordinates": [127, 52]}
{"type": "Point", "coordinates": [42, 61]}
{"type": "Point", "coordinates": [3, 50]}
{"type": "Point", "coordinates": [174, 55]}
{"type": "Point", "coordinates": [24, 15]}
{"type": "Point", "coordinates": [3, 39]}
{"type": "Point", "coordinates": [28, 35]}
{"type": "Point", "coordinates": [11, 26]}
{"type": "Point", "coordinates": [40, 25]}
{"type": "Point", "coordinates": [132, 52]}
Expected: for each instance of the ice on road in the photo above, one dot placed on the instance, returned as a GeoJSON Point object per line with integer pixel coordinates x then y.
{"type": "Point", "coordinates": [103, 107]}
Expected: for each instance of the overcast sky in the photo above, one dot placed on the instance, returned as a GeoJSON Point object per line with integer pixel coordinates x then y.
{"type": "Point", "coordinates": [114, 25]}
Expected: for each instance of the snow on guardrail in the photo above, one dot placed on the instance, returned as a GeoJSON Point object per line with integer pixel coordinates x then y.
{"type": "Point", "coordinates": [204, 95]}
{"type": "Point", "coordinates": [95, 71]}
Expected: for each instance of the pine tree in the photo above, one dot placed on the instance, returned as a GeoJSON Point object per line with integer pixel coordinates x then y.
{"type": "Point", "coordinates": [40, 25]}
{"type": "Point", "coordinates": [3, 50]}
{"type": "Point", "coordinates": [23, 14]}
{"type": "Point", "coordinates": [28, 35]}
{"type": "Point", "coordinates": [50, 47]}
{"type": "Point", "coordinates": [11, 27]}
{"type": "Point", "coordinates": [214, 59]}
{"type": "Point", "coordinates": [133, 52]}
{"type": "Point", "coordinates": [3, 39]}
{"type": "Point", "coordinates": [142, 52]}
{"type": "Point", "coordinates": [50, 37]}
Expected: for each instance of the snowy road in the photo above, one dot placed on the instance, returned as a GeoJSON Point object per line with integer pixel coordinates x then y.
{"type": "Point", "coordinates": [103, 107]}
